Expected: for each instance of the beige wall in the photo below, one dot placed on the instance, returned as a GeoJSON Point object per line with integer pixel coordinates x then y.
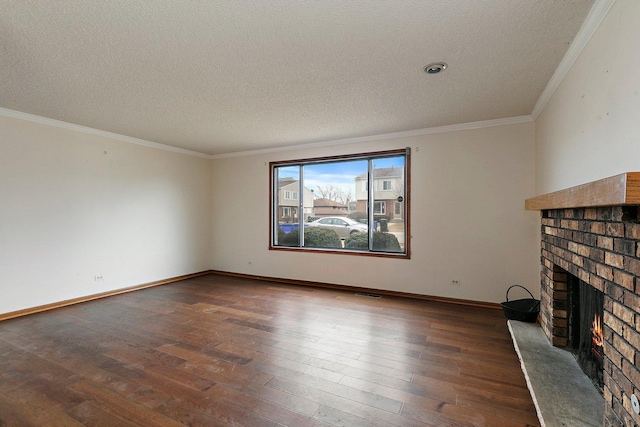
{"type": "Point", "coordinates": [590, 129]}
{"type": "Point", "coordinates": [468, 191]}
{"type": "Point", "coordinates": [74, 206]}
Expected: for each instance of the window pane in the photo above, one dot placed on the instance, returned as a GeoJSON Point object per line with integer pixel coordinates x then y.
{"type": "Point", "coordinates": [388, 177]}
{"type": "Point", "coordinates": [334, 190]}
{"type": "Point", "coordinates": [287, 180]}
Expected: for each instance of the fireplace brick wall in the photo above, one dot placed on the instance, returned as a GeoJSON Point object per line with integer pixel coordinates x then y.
{"type": "Point", "coordinates": [601, 246]}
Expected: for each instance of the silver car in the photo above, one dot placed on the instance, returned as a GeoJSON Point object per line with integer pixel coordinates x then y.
{"type": "Point", "coordinates": [341, 225]}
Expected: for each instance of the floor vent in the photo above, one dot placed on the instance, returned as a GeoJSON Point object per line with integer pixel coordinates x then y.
{"type": "Point", "coordinates": [360, 294]}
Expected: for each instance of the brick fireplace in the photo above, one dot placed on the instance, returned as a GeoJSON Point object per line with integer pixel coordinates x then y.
{"type": "Point", "coordinates": [600, 245]}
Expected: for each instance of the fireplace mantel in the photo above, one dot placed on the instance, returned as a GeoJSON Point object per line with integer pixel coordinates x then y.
{"type": "Point", "coordinates": [619, 190]}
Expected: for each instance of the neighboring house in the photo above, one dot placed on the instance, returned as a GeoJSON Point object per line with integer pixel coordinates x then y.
{"type": "Point", "coordinates": [289, 201]}
{"type": "Point", "coordinates": [326, 207]}
{"type": "Point", "coordinates": [388, 185]}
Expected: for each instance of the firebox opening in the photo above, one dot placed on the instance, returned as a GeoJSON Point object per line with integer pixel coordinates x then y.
{"type": "Point", "coordinates": [630, 213]}
{"type": "Point", "coordinates": [586, 340]}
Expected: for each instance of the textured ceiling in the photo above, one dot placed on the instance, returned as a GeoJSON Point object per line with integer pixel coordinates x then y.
{"type": "Point", "coordinates": [228, 76]}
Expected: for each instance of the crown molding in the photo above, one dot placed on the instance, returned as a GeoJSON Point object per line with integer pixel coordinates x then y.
{"type": "Point", "coordinates": [403, 134]}
{"type": "Point", "coordinates": [589, 27]}
{"type": "Point", "coordinates": [91, 131]}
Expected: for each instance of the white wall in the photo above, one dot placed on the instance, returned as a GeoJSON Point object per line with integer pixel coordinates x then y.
{"type": "Point", "coordinates": [590, 129]}
{"type": "Point", "coordinates": [74, 206]}
{"type": "Point", "coordinates": [469, 222]}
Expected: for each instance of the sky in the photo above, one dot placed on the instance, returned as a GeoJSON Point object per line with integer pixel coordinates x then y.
{"type": "Point", "coordinates": [339, 174]}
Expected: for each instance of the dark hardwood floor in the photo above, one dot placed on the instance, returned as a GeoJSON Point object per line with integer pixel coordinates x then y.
{"type": "Point", "coordinates": [217, 350]}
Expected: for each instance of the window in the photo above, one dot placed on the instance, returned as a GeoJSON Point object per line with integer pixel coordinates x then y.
{"type": "Point", "coordinates": [290, 195]}
{"type": "Point", "coordinates": [342, 213]}
{"type": "Point", "coordinates": [379, 208]}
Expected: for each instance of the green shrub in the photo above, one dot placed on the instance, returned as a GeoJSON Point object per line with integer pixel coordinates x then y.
{"type": "Point", "coordinates": [386, 242]}
{"type": "Point", "coordinates": [281, 235]}
{"type": "Point", "coordinates": [357, 240]}
{"type": "Point", "coordinates": [289, 239]}
{"type": "Point", "coordinates": [359, 216]}
{"type": "Point", "coordinates": [314, 237]}
{"type": "Point", "coordinates": [381, 241]}
{"type": "Point", "coordinates": [321, 238]}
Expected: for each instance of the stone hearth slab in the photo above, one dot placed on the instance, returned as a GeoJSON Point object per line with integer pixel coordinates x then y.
{"type": "Point", "coordinates": [562, 393]}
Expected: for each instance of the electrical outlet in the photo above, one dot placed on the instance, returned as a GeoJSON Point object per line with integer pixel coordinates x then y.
{"type": "Point", "coordinates": [98, 278]}
{"type": "Point", "coordinates": [455, 282]}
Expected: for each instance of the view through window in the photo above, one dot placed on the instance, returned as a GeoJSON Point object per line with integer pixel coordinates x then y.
{"type": "Point", "coordinates": [355, 204]}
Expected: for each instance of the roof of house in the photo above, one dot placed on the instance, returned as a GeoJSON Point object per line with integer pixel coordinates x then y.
{"type": "Point", "coordinates": [286, 181]}
{"type": "Point", "coordinates": [384, 173]}
{"type": "Point", "coordinates": [322, 202]}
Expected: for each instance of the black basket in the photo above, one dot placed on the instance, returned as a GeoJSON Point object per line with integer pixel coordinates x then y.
{"type": "Point", "coordinates": [523, 310]}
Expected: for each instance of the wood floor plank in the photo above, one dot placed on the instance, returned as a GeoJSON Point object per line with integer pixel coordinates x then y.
{"type": "Point", "coordinates": [272, 346]}
{"type": "Point", "coordinates": [344, 404]}
{"type": "Point", "coordinates": [336, 417]}
{"type": "Point", "coordinates": [225, 351]}
{"type": "Point", "coordinates": [213, 367]}
{"type": "Point", "coordinates": [90, 414]}
{"type": "Point", "coordinates": [365, 397]}
{"type": "Point", "coordinates": [291, 358]}
{"type": "Point", "coordinates": [20, 407]}
{"type": "Point", "coordinates": [294, 403]}
{"type": "Point", "coordinates": [265, 408]}
{"type": "Point", "coordinates": [114, 403]}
